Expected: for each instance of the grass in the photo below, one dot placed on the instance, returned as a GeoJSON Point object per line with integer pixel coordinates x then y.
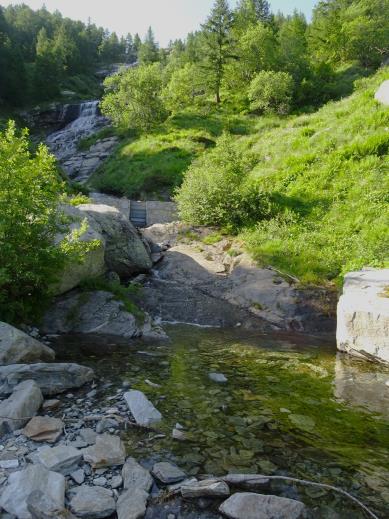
{"type": "Point", "coordinates": [152, 165]}
{"type": "Point", "coordinates": [85, 143]}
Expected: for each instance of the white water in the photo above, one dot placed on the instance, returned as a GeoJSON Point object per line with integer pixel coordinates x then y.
{"type": "Point", "coordinates": [63, 143]}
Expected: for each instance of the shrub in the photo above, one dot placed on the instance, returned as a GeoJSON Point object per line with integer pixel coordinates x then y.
{"type": "Point", "coordinates": [271, 92]}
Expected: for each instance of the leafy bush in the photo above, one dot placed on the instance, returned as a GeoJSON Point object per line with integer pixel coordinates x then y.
{"type": "Point", "coordinates": [133, 98]}
{"type": "Point", "coordinates": [271, 92]}
{"type": "Point", "coordinates": [186, 88]}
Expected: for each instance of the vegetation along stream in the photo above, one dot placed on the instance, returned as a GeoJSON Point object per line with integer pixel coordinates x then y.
{"type": "Point", "coordinates": [290, 406]}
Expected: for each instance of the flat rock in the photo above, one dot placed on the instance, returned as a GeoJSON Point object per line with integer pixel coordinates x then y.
{"type": "Point", "coordinates": [206, 488]}
{"type": "Point", "coordinates": [92, 502]}
{"type": "Point", "coordinates": [20, 407]}
{"type": "Point", "coordinates": [44, 428]}
{"type": "Point", "coordinates": [108, 451]}
{"type": "Point", "coordinates": [62, 458]}
{"type": "Point", "coordinates": [33, 478]}
{"type": "Point", "coordinates": [132, 504]}
{"type": "Point", "coordinates": [42, 506]}
{"type": "Point", "coordinates": [217, 377]}
{"type": "Point", "coordinates": [18, 347]}
{"type": "Point", "coordinates": [247, 505]}
{"type": "Point", "coordinates": [168, 473]}
{"type": "Point", "coordinates": [141, 408]}
{"type": "Point", "coordinates": [135, 476]}
{"type": "Point", "coordinates": [51, 378]}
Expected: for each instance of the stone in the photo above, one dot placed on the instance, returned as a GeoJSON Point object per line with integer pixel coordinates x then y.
{"type": "Point", "coordinates": [143, 411]}
{"type": "Point", "coordinates": [78, 476]}
{"type": "Point", "coordinates": [135, 476]}
{"type": "Point", "coordinates": [33, 478]}
{"type": "Point", "coordinates": [108, 451]}
{"type": "Point", "coordinates": [247, 481]}
{"type": "Point", "coordinates": [49, 405]}
{"type": "Point", "coordinates": [205, 488]}
{"type": "Point", "coordinates": [132, 504]}
{"type": "Point", "coordinates": [179, 435]}
{"type": "Point", "coordinates": [42, 506]}
{"type": "Point", "coordinates": [382, 94]}
{"type": "Point", "coordinates": [62, 458]}
{"type": "Point", "coordinates": [247, 505]}
{"type": "Point", "coordinates": [105, 424]}
{"type": "Point", "coordinates": [18, 347]}
{"type": "Point", "coordinates": [88, 435]}
{"type": "Point", "coordinates": [51, 378]}
{"type": "Point", "coordinates": [363, 315]}
{"type": "Point", "coordinates": [92, 502]}
{"type": "Point", "coordinates": [168, 473]}
{"type": "Point", "coordinates": [100, 481]}
{"type": "Point", "coordinates": [44, 428]}
{"type": "Point", "coordinates": [217, 377]}
{"type": "Point", "coordinates": [9, 464]}
{"type": "Point", "coordinates": [20, 407]}
{"type": "Point", "coordinates": [116, 482]}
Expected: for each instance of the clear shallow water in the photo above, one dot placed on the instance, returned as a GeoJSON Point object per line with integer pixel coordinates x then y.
{"type": "Point", "coordinates": [291, 406]}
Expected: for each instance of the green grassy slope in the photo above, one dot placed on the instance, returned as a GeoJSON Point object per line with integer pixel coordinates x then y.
{"type": "Point", "coordinates": [328, 174]}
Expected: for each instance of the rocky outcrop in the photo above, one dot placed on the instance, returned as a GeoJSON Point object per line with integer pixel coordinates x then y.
{"type": "Point", "coordinates": [16, 346]}
{"type": "Point", "coordinates": [50, 378]}
{"type": "Point", "coordinates": [363, 315]}
{"type": "Point", "coordinates": [20, 407]}
{"type": "Point", "coordinates": [382, 94]}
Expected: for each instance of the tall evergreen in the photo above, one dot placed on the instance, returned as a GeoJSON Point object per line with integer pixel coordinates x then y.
{"type": "Point", "coordinates": [148, 52]}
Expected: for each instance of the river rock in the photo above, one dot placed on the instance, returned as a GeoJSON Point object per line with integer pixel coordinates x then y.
{"type": "Point", "coordinates": [108, 451]}
{"type": "Point", "coordinates": [42, 506]}
{"type": "Point", "coordinates": [62, 458]}
{"type": "Point", "coordinates": [132, 504]}
{"type": "Point", "coordinates": [217, 377]}
{"type": "Point", "coordinates": [168, 473]}
{"type": "Point", "coordinates": [143, 411]}
{"type": "Point", "coordinates": [51, 378]}
{"type": "Point", "coordinates": [18, 347]}
{"type": "Point", "coordinates": [205, 488]}
{"type": "Point", "coordinates": [44, 428]}
{"type": "Point", "coordinates": [247, 505]}
{"type": "Point", "coordinates": [135, 476]}
{"type": "Point", "coordinates": [382, 94]}
{"type": "Point", "coordinates": [363, 315]}
{"type": "Point", "coordinates": [33, 478]}
{"type": "Point", "coordinates": [247, 481]}
{"type": "Point", "coordinates": [20, 407]}
{"type": "Point", "coordinates": [92, 502]}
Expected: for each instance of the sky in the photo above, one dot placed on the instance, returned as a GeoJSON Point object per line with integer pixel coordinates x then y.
{"type": "Point", "coordinates": [170, 19]}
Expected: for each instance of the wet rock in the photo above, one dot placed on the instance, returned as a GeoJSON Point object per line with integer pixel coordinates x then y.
{"type": "Point", "coordinates": [42, 506]}
{"type": "Point", "coordinates": [168, 473]}
{"type": "Point", "coordinates": [205, 488]}
{"type": "Point", "coordinates": [132, 504]}
{"type": "Point", "coordinates": [22, 405]}
{"type": "Point", "coordinates": [18, 347]}
{"type": "Point", "coordinates": [62, 458]}
{"type": "Point", "coordinates": [33, 478]}
{"type": "Point", "coordinates": [247, 481]}
{"type": "Point", "coordinates": [51, 378]}
{"type": "Point", "coordinates": [92, 502]}
{"type": "Point", "coordinates": [247, 505]}
{"type": "Point", "coordinates": [141, 408]}
{"type": "Point", "coordinates": [135, 476]}
{"type": "Point", "coordinates": [44, 428]}
{"type": "Point", "coordinates": [217, 377]}
{"type": "Point", "coordinates": [108, 451]}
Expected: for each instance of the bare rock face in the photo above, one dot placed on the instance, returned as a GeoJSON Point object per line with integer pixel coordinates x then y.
{"type": "Point", "coordinates": [247, 505]}
{"type": "Point", "coordinates": [18, 347]}
{"type": "Point", "coordinates": [363, 315]}
{"type": "Point", "coordinates": [20, 407]}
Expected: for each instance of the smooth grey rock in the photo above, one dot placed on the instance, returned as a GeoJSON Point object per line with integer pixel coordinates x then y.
{"type": "Point", "coordinates": [62, 458]}
{"type": "Point", "coordinates": [168, 473]}
{"type": "Point", "coordinates": [205, 488]}
{"type": "Point", "coordinates": [132, 504]}
{"type": "Point", "coordinates": [21, 484]}
{"type": "Point", "coordinates": [108, 451]}
{"type": "Point", "coordinates": [217, 377]}
{"type": "Point", "coordinates": [116, 482]}
{"type": "Point", "coordinates": [382, 94]}
{"type": "Point", "coordinates": [18, 347]}
{"type": "Point", "coordinates": [92, 502]}
{"type": "Point", "coordinates": [44, 428]}
{"type": "Point", "coordinates": [135, 476]}
{"type": "Point", "coordinates": [42, 506]}
{"type": "Point", "coordinates": [247, 505]}
{"type": "Point", "coordinates": [20, 407]}
{"type": "Point", "coordinates": [51, 378]}
{"type": "Point", "coordinates": [78, 476]}
{"type": "Point", "coordinates": [141, 408]}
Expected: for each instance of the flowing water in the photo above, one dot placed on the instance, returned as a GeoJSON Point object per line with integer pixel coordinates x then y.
{"type": "Point", "coordinates": [291, 406]}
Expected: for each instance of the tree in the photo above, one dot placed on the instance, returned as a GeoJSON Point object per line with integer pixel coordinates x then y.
{"type": "Point", "coordinates": [250, 12]}
{"type": "Point", "coordinates": [271, 92]}
{"type": "Point", "coordinates": [133, 98]}
{"type": "Point", "coordinates": [47, 68]}
{"type": "Point", "coordinates": [293, 44]}
{"type": "Point", "coordinates": [218, 43]}
{"type": "Point", "coordinates": [186, 88]}
{"type": "Point", "coordinates": [148, 52]}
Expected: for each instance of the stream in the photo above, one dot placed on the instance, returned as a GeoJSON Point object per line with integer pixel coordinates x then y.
{"type": "Point", "coordinates": [291, 406]}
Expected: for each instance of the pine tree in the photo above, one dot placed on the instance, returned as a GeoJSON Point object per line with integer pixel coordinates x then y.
{"type": "Point", "coordinates": [148, 52]}
{"type": "Point", "coordinates": [252, 11]}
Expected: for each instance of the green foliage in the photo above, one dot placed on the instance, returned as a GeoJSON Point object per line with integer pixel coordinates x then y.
{"type": "Point", "coordinates": [133, 98]}
{"type": "Point", "coordinates": [79, 199]}
{"type": "Point", "coordinates": [187, 88]}
{"type": "Point", "coordinates": [148, 50]}
{"type": "Point", "coordinates": [271, 92]}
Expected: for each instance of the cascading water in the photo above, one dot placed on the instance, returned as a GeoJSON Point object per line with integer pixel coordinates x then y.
{"type": "Point", "coordinates": [63, 143]}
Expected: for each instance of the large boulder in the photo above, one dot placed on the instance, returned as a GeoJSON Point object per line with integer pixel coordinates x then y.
{"type": "Point", "coordinates": [51, 378]}
{"type": "Point", "coordinates": [382, 94]}
{"type": "Point", "coordinates": [18, 347]}
{"type": "Point", "coordinates": [363, 315]}
{"type": "Point", "coordinates": [20, 407]}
